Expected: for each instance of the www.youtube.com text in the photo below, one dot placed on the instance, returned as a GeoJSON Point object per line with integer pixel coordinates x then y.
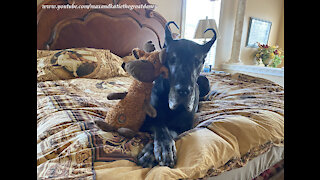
{"type": "Point", "coordinates": [97, 6]}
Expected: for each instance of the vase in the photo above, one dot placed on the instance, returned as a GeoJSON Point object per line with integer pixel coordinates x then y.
{"type": "Point", "coordinates": [258, 62]}
{"type": "Point", "coordinates": [266, 62]}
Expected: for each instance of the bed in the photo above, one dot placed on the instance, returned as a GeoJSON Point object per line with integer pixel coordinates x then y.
{"type": "Point", "coordinates": [238, 132]}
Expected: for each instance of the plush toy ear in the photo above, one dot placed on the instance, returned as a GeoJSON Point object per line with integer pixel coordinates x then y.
{"type": "Point", "coordinates": [115, 96]}
{"type": "Point", "coordinates": [162, 56]}
{"type": "Point", "coordinates": [142, 70]}
{"type": "Point", "coordinates": [138, 53]}
{"type": "Point", "coordinates": [149, 47]}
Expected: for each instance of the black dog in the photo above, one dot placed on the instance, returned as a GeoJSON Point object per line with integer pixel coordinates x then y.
{"type": "Point", "coordinates": [175, 99]}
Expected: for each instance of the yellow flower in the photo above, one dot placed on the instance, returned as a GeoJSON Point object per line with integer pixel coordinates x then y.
{"type": "Point", "coordinates": [274, 47]}
{"type": "Point", "coordinates": [258, 55]}
{"type": "Point", "coordinates": [272, 55]}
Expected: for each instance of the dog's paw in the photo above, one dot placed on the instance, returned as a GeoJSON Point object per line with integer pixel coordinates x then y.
{"type": "Point", "coordinates": [146, 157]}
{"type": "Point", "coordinates": [165, 152]}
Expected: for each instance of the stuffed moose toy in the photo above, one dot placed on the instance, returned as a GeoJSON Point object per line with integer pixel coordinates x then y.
{"type": "Point", "coordinates": [128, 115]}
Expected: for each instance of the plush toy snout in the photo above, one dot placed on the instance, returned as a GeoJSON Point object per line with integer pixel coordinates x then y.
{"type": "Point", "coordinates": [142, 70]}
{"type": "Point", "coordinates": [148, 67]}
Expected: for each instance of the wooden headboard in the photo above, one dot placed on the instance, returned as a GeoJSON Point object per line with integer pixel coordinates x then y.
{"type": "Point", "coordinates": [119, 30]}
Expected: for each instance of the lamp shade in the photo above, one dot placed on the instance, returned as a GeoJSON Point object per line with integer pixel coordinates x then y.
{"type": "Point", "coordinates": [203, 25]}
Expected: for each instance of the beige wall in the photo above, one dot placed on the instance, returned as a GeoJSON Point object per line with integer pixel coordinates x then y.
{"type": "Point", "coordinates": [280, 40]}
{"type": "Point", "coordinates": [170, 10]}
{"type": "Point", "coordinates": [270, 10]}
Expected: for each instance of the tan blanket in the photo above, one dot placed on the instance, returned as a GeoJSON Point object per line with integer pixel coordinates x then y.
{"type": "Point", "coordinates": [242, 119]}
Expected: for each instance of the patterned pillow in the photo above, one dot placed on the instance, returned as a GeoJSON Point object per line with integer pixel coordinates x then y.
{"type": "Point", "coordinates": [78, 63]}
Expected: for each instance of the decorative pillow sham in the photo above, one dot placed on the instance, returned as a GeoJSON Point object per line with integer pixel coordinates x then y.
{"type": "Point", "coordinates": [78, 63]}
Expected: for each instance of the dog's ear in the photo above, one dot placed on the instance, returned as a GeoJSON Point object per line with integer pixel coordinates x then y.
{"type": "Point", "coordinates": [206, 47]}
{"type": "Point", "coordinates": [138, 53]}
{"type": "Point", "coordinates": [142, 70]}
{"type": "Point", "coordinates": [162, 56]}
{"type": "Point", "coordinates": [168, 36]}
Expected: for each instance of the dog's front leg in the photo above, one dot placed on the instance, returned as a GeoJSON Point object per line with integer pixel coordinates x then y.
{"type": "Point", "coordinates": [164, 147]}
{"type": "Point", "coordinates": [161, 150]}
{"type": "Point", "coordinates": [146, 157]}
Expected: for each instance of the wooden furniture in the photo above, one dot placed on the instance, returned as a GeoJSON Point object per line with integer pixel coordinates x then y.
{"type": "Point", "coordinates": [103, 28]}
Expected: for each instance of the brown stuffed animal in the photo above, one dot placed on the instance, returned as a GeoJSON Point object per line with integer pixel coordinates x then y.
{"type": "Point", "coordinates": [128, 115]}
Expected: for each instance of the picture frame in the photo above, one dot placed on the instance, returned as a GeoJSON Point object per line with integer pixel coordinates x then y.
{"type": "Point", "coordinates": [259, 31]}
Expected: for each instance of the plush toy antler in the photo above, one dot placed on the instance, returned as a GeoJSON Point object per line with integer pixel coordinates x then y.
{"type": "Point", "coordinates": [127, 116]}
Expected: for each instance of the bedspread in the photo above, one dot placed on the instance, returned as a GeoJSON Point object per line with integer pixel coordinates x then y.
{"type": "Point", "coordinates": [242, 118]}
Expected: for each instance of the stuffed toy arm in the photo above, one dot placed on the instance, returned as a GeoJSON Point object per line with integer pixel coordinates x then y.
{"type": "Point", "coordinates": [149, 109]}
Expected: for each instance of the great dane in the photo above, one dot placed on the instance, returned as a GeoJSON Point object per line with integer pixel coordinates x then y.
{"type": "Point", "coordinates": [176, 99]}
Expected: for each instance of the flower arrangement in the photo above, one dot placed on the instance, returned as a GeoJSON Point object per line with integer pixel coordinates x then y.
{"type": "Point", "coordinates": [270, 56]}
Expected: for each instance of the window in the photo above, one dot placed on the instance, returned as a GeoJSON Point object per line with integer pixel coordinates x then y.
{"type": "Point", "coordinates": [194, 11]}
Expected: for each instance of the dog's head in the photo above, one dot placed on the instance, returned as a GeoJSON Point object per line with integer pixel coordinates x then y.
{"type": "Point", "coordinates": [184, 60]}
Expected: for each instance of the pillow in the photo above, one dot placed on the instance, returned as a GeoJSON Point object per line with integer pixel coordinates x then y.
{"type": "Point", "coordinates": [44, 53]}
{"type": "Point", "coordinates": [128, 58]}
{"type": "Point", "coordinates": [78, 63]}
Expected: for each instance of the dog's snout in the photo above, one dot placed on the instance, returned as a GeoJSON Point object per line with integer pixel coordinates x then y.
{"type": "Point", "coordinates": [183, 90]}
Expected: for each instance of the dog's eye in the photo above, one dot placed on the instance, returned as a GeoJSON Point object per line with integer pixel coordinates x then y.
{"type": "Point", "coordinates": [172, 60]}
{"type": "Point", "coordinates": [202, 59]}
{"type": "Point", "coordinates": [199, 60]}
